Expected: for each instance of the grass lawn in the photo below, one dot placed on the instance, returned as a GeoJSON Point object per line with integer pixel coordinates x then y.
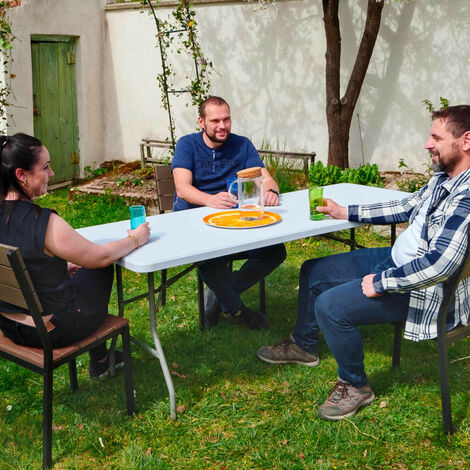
{"type": "Point", "coordinates": [235, 412]}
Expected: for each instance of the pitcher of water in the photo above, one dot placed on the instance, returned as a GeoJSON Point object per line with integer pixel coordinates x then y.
{"type": "Point", "coordinates": [250, 193]}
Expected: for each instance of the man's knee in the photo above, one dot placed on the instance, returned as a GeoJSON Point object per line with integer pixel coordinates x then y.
{"type": "Point", "coordinates": [325, 310]}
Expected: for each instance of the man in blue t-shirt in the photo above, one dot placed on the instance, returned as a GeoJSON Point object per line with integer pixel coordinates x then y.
{"type": "Point", "coordinates": [201, 166]}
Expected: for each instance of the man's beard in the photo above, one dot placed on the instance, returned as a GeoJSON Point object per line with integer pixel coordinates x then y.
{"type": "Point", "coordinates": [448, 166]}
{"type": "Point", "coordinates": [214, 139]}
{"type": "Point", "coordinates": [438, 166]}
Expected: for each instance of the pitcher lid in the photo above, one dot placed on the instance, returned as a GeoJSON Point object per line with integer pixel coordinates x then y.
{"type": "Point", "coordinates": [253, 172]}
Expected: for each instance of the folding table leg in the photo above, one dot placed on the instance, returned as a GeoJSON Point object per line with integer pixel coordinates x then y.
{"type": "Point", "coordinates": [158, 346]}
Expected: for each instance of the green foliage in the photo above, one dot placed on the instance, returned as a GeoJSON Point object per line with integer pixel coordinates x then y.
{"type": "Point", "coordinates": [136, 179]}
{"type": "Point", "coordinates": [320, 175]}
{"type": "Point", "coordinates": [443, 102]}
{"type": "Point", "coordinates": [236, 411]}
{"type": "Point", "coordinates": [83, 210]}
{"type": "Point", "coordinates": [184, 28]}
{"type": "Point", "coordinates": [90, 174]}
{"type": "Point", "coordinates": [6, 45]}
{"type": "Point", "coordinates": [284, 171]}
{"type": "Point", "coordinates": [413, 181]}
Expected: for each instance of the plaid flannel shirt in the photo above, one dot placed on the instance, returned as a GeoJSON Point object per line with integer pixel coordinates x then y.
{"type": "Point", "coordinates": [441, 250]}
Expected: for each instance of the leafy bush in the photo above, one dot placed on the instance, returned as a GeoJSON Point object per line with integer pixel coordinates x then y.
{"type": "Point", "coordinates": [284, 171]}
{"type": "Point", "coordinates": [320, 175]}
{"type": "Point", "coordinates": [413, 181]}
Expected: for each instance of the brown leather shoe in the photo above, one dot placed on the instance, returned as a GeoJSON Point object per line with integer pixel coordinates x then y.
{"type": "Point", "coordinates": [345, 400]}
{"type": "Point", "coordinates": [287, 352]}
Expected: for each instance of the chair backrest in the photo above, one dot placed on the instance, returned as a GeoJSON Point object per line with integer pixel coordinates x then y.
{"type": "Point", "coordinates": [450, 286]}
{"type": "Point", "coordinates": [165, 187]}
{"type": "Point", "coordinates": [17, 289]}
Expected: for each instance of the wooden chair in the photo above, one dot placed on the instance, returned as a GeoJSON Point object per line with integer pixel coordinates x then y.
{"type": "Point", "coordinates": [17, 288]}
{"type": "Point", "coordinates": [166, 190]}
{"type": "Point", "coordinates": [444, 339]}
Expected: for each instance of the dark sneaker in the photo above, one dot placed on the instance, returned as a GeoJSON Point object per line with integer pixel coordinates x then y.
{"type": "Point", "coordinates": [345, 401]}
{"type": "Point", "coordinates": [251, 318]}
{"type": "Point", "coordinates": [287, 352]}
{"type": "Point", "coordinates": [212, 308]}
{"type": "Point", "coordinates": [101, 369]}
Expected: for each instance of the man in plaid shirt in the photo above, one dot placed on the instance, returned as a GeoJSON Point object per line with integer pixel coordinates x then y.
{"type": "Point", "coordinates": [387, 285]}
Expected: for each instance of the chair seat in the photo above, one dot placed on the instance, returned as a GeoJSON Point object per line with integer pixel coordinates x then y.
{"type": "Point", "coordinates": [35, 356]}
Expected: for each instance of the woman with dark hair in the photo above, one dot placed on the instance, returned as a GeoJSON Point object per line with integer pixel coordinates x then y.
{"type": "Point", "coordinates": [72, 276]}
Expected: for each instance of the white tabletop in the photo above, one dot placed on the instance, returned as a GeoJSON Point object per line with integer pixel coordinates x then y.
{"type": "Point", "coordinates": [179, 238]}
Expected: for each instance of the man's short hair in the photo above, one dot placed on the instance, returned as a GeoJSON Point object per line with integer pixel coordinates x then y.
{"type": "Point", "coordinates": [217, 100]}
{"type": "Point", "coordinates": [457, 119]}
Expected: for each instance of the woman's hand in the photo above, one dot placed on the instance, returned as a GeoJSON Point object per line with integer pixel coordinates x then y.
{"type": "Point", "coordinates": [73, 268]}
{"type": "Point", "coordinates": [142, 233]}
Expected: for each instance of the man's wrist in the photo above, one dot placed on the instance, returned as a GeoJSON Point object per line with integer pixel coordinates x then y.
{"type": "Point", "coordinates": [274, 191]}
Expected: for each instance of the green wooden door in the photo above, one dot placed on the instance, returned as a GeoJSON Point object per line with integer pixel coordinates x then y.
{"type": "Point", "coordinates": [55, 103]}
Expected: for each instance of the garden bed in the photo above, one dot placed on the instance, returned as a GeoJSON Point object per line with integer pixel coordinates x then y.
{"type": "Point", "coordinates": [137, 185]}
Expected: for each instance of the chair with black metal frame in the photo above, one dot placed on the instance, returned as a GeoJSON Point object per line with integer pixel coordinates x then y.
{"type": "Point", "coordinates": [444, 339]}
{"type": "Point", "coordinates": [166, 190]}
{"type": "Point", "coordinates": [17, 289]}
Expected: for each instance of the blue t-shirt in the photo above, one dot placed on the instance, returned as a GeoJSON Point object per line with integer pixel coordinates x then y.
{"type": "Point", "coordinates": [212, 167]}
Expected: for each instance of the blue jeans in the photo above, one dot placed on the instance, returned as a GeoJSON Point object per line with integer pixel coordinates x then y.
{"type": "Point", "coordinates": [331, 300]}
{"type": "Point", "coordinates": [228, 285]}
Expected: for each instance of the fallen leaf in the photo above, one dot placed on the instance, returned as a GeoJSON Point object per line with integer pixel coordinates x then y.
{"type": "Point", "coordinates": [181, 325]}
{"type": "Point", "coordinates": [80, 426]}
{"type": "Point", "coordinates": [175, 365]}
{"type": "Point", "coordinates": [383, 404]}
{"type": "Point", "coordinates": [301, 456]}
{"type": "Point", "coordinates": [426, 443]}
{"type": "Point", "coordinates": [57, 427]}
{"type": "Point", "coordinates": [181, 409]}
{"type": "Point", "coordinates": [101, 442]}
{"type": "Point", "coordinates": [365, 453]}
{"type": "Point", "coordinates": [148, 451]}
{"type": "Point", "coordinates": [172, 298]}
{"type": "Point", "coordinates": [284, 442]}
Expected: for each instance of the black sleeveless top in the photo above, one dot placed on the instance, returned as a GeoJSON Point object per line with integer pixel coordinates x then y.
{"type": "Point", "coordinates": [24, 224]}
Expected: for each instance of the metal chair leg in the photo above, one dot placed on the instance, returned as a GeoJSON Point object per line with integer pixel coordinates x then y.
{"type": "Point", "coordinates": [128, 378]}
{"type": "Point", "coordinates": [73, 375]}
{"type": "Point", "coordinates": [200, 293]}
{"type": "Point", "coordinates": [47, 420]}
{"type": "Point", "coordinates": [445, 388]}
{"type": "Point", "coordinates": [262, 296]}
{"type": "Point", "coordinates": [397, 344]}
{"type": "Point", "coordinates": [162, 282]}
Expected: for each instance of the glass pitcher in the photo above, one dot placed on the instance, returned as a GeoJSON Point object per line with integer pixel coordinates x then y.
{"type": "Point", "coordinates": [250, 193]}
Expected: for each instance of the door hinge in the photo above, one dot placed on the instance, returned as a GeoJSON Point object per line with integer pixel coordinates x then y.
{"type": "Point", "coordinates": [70, 58]}
{"type": "Point", "coordinates": [74, 158]}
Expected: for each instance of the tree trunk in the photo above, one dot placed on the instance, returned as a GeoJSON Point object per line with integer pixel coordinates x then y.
{"type": "Point", "coordinates": [339, 111]}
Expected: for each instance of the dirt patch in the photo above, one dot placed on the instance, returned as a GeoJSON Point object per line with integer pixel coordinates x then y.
{"type": "Point", "coordinates": [126, 180]}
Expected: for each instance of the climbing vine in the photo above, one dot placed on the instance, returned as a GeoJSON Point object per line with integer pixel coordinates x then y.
{"type": "Point", "coordinates": [6, 45]}
{"type": "Point", "coordinates": [180, 34]}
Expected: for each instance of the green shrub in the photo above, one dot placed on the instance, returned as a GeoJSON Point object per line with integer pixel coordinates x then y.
{"type": "Point", "coordinates": [320, 175]}
{"type": "Point", "coordinates": [284, 171]}
{"type": "Point", "coordinates": [413, 181]}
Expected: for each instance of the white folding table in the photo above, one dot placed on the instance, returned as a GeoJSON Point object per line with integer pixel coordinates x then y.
{"type": "Point", "coordinates": [181, 238]}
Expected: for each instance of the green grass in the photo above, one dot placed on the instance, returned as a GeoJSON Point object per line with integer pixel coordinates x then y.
{"type": "Point", "coordinates": [239, 413]}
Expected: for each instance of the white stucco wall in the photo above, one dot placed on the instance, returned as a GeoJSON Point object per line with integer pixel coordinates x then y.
{"type": "Point", "coordinates": [85, 20]}
{"type": "Point", "coordinates": [270, 67]}
{"type": "Point", "coordinates": [269, 64]}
